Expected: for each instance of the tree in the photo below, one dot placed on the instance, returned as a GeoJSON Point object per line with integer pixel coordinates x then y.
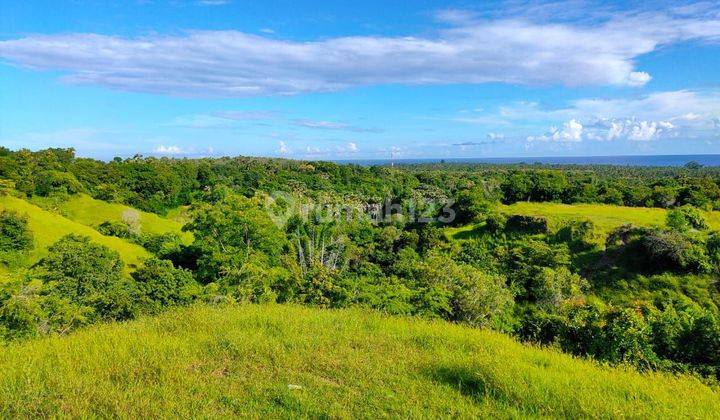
{"type": "Point", "coordinates": [90, 275]}
{"type": "Point", "coordinates": [551, 287]}
{"type": "Point", "coordinates": [229, 231]}
{"type": "Point", "coordinates": [685, 218]}
{"type": "Point", "coordinates": [14, 232]}
{"type": "Point", "coordinates": [163, 285]}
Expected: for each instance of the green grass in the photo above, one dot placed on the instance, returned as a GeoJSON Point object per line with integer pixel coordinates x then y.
{"type": "Point", "coordinates": [48, 227]}
{"type": "Point", "coordinates": [88, 211]}
{"type": "Point", "coordinates": [606, 217]}
{"type": "Point", "coordinates": [286, 361]}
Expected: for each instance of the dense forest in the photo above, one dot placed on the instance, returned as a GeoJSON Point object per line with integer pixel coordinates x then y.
{"type": "Point", "coordinates": [274, 230]}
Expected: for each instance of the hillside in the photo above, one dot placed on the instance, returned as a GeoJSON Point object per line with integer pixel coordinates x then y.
{"type": "Point", "coordinates": [83, 209]}
{"type": "Point", "coordinates": [293, 361]}
{"type": "Point", "coordinates": [605, 216]}
{"type": "Point", "coordinates": [47, 227]}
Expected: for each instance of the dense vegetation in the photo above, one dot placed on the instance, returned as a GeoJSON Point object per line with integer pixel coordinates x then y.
{"type": "Point", "coordinates": [643, 294]}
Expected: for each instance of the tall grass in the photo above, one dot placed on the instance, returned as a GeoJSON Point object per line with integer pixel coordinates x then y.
{"type": "Point", "coordinates": [286, 361]}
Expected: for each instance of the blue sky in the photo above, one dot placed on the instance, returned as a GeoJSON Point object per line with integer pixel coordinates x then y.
{"type": "Point", "coordinates": [358, 80]}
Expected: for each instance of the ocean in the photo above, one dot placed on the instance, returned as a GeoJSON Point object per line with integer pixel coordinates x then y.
{"type": "Point", "coordinates": [646, 160]}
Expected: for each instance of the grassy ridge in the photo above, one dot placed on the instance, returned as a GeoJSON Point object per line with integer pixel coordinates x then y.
{"type": "Point", "coordinates": [605, 216]}
{"type": "Point", "coordinates": [48, 227]}
{"type": "Point", "coordinates": [292, 361]}
{"type": "Point", "coordinates": [88, 211]}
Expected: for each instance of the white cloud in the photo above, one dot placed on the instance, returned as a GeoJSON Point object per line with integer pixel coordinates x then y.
{"type": "Point", "coordinates": [571, 131]}
{"type": "Point", "coordinates": [237, 64]}
{"type": "Point", "coordinates": [677, 114]}
{"type": "Point", "coordinates": [352, 147]}
{"type": "Point", "coordinates": [283, 149]}
{"type": "Point", "coordinates": [212, 2]}
{"type": "Point", "coordinates": [221, 119]}
{"type": "Point", "coordinates": [324, 125]}
{"type": "Point", "coordinates": [332, 125]}
{"type": "Point", "coordinates": [168, 150]}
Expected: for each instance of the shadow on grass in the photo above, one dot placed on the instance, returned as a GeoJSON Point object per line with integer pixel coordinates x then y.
{"type": "Point", "coordinates": [465, 380]}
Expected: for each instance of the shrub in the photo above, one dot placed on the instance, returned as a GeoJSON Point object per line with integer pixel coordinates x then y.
{"type": "Point", "coordinates": [527, 224]}
{"type": "Point", "coordinates": [552, 287]}
{"type": "Point", "coordinates": [14, 232]}
{"type": "Point", "coordinates": [685, 218]}
{"type": "Point", "coordinates": [115, 228]}
{"type": "Point", "coordinates": [672, 251]}
{"type": "Point", "coordinates": [89, 274]}
{"type": "Point", "coordinates": [161, 284]}
{"type": "Point", "coordinates": [57, 182]}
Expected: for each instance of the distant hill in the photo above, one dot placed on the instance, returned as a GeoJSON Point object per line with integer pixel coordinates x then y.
{"type": "Point", "coordinates": [47, 227]}
{"type": "Point", "coordinates": [605, 216]}
{"type": "Point", "coordinates": [91, 212]}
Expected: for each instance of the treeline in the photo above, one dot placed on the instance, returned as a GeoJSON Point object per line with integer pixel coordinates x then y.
{"type": "Point", "coordinates": [157, 185]}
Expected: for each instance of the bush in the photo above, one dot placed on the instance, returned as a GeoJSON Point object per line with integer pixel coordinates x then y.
{"type": "Point", "coordinates": [14, 232]}
{"type": "Point", "coordinates": [527, 224]}
{"type": "Point", "coordinates": [115, 228]}
{"type": "Point", "coordinates": [672, 251]}
{"type": "Point", "coordinates": [161, 284]}
{"type": "Point", "coordinates": [89, 274]}
{"type": "Point", "coordinates": [551, 287]}
{"type": "Point", "coordinates": [57, 182]}
{"type": "Point", "coordinates": [685, 218]}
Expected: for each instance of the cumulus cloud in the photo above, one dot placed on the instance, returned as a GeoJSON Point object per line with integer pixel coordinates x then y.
{"type": "Point", "coordinates": [571, 131]}
{"type": "Point", "coordinates": [631, 129]}
{"type": "Point", "coordinates": [237, 64]}
{"type": "Point", "coordinates": [168, 150]}
{"type": "Point", "coordinates": [674, 114]}
{"type": "Point", "coordinates": [283, 149]}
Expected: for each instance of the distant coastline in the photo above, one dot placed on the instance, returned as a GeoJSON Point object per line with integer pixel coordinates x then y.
{"type": "Point", "coordinates": [633, 160]}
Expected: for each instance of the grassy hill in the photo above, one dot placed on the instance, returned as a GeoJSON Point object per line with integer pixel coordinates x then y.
{"type": "Point", "coordinates": [286, 361]}
{"type": "Point", "coordinates": [48, 227]}
{"type": "Point", "coordinates": [605, 216]}
{"type": "Point", "coordinates": [88, 211]}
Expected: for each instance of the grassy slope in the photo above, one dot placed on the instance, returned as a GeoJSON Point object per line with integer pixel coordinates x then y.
{"type": "Point", "coordinates": [48, 227]}
{"type": "Point", "coordinates": [606, 217]}
{"type": "Point", "coordinates": [88, 211]}
{"type": "Point", "coordinates": [205, 361]}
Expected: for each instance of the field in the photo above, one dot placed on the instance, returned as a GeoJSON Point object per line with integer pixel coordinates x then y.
{"type": "Point", "coordinates": [606, 217]}
{"type": "Point", "coordinates": [88, 211]}
{"type": "Point", "coordinates": [48, 227]}
{"type": "Point", "coordinates": [292, 361]}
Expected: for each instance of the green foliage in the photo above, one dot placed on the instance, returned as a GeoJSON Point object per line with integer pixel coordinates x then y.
{"type": "Point", "coordinates": [50, 182]}
{"type": "Point", "coordinates": [685, 218]}
{"type": "Point", "coordinates": [534, 266]}
{"type": "Point", "coordinates": [90, 275]}
{"type": "Point", "coordinates": [527, 224]}
{"type": "Point", "coordinates": [14, 232]}
{"type": "Point", "coordinates": [552, 287]}
{"type": "Point", "coordinates": [115, 228]}
{"type": "Point", "coordinates": [162, 285]}
{"type": "Point", "coordinates": [231, 231]}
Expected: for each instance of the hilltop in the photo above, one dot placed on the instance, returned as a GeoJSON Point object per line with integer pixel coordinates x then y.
{"type": "Point", "coordinates": [288, 361]}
